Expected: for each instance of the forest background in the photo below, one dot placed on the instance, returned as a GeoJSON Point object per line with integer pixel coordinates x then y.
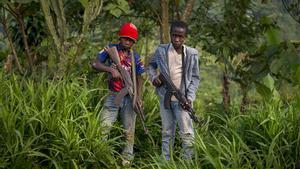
{"type": "Point", "coordinates": [51, 98]}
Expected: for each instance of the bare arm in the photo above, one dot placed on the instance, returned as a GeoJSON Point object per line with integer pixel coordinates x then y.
{"type": "Point", "coordinates": [152, 70]}
{"type": "Point", "coordinates": [97, 65]}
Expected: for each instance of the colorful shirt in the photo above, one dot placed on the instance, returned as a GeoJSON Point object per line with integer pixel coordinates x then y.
{"type": "Point", "coordinates": [117, 85]}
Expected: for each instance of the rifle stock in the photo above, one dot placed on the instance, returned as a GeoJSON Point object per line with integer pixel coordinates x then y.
{"type": "Point", "coordinates": [114, 56]}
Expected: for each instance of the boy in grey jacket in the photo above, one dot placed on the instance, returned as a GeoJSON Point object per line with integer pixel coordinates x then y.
{"type": "Point", "coordinates": [180, 63]}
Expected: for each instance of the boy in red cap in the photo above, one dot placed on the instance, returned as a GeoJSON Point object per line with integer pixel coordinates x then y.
{"type": "Point", "coordinates": [128, 36]}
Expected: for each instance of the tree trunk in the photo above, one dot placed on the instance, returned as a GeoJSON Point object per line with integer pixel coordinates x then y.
{"type": "Point", "coordinates": [165, 21]}
{"type": "Point", "coordinates": [91, 11]}
{"type": "Point", "coordinates": [8, 64]}
{"type": "Point", "coordinates": [25, 41]}
{"type": "Point", "coordinates": [19, 17]}
{"type": "Point", "coordinates": [50, 23]}
{"type": "Point", "coordinates": [177, 13]}
{"type": "Point", "coordinates": [245, 100]}
{"type": "Point", "coordinates": [188, 10]}
{"type": "Point", "coordinates": [57, 6]}
{"type": "Point", "coordinates": [9, 37]}
{"type": "Point", "coordinates": [57, 35]}
{"type": "Point", "coordinates": [225, 92]}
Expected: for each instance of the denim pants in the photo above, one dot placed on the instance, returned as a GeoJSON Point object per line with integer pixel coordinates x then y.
{"type": "Point", "coordinates": [169, 119]}
{"type": "Point", "coordinates": [109, 115]}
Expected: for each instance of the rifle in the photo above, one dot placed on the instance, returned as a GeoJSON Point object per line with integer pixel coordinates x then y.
{"type": "Point", "coordinates": [172, 90]}
{"type": "Point", "coordinates": [128, 89]}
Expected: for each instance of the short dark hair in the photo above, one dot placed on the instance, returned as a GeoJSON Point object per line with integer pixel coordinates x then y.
{"type": "Point", "coordinates": [179, 24]}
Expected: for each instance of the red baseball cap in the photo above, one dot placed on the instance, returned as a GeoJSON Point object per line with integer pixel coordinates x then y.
{"type": "Point", "coordinates": [129, 30]}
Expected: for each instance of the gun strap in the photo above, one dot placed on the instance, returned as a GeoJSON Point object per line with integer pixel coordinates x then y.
{"type": "Point", "coordinates": [133, 69]}
{"type": "Point", "coordinates": [183, 72]}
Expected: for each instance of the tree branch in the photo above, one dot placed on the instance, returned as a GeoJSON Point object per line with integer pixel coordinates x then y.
{"type": "Point", "coordinates": [188, 10]}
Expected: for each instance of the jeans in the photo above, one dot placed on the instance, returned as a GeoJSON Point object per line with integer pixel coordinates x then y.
{"type": "Point", "coordinates": [109, 115]}
{"type": "Point", "coordinates": [169, 118]}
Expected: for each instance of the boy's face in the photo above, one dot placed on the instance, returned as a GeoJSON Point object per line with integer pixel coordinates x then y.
{"type": "Point", "coordinates": [178, 36]}
{"type": "Point", "coordinates": [126, 43]}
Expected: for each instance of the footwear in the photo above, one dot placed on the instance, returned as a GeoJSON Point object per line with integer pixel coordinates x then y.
{"type": "Point", "coordinates": [125, 162]}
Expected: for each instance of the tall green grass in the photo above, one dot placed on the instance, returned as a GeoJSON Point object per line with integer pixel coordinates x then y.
{"type": "Point", "coordinates": [268, 136]}
{"type": "Point", "coordinates": [48, 123]}
{"type": "Point", "coordinates": [52, 124]}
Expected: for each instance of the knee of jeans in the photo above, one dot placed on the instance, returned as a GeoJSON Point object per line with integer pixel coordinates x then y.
{"type": "Point", "coordinates": [110, 107]}
{"type": "Point", "coordinates": [168, 128]}
{"type": "Point", "coordinates": [106, 121]}
{"type": "Point", "coordinates": [188, 131]}
{"type": "Point", "coordinates": [187, 136]}
{"type": "Point", "coordinates": [129, 136]}
{"type": "Point", "coordinates": [167, 133]}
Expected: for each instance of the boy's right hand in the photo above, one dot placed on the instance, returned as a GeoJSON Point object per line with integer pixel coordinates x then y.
{"type": "Point", "coordinates": [115, 74]}
{"type": "Point", "coordinates": [157, 82]}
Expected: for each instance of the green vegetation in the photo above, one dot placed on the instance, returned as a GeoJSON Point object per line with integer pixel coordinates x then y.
{"type": "Point", "coordinates": [50, 98]}
{"type": "Point", "coordinates": [55, 124]}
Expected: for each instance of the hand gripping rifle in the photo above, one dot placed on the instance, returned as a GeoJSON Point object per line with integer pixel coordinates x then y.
{"type": "Point", "coordinates": [172, 90]}
{"type": "Point", "coordinates": [129, 88]}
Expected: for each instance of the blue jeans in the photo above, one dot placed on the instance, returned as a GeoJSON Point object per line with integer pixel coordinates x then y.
{"type": "Point", "coordinates": [169, 118]}
{"type": "Point", "coordinates": [109, 115]}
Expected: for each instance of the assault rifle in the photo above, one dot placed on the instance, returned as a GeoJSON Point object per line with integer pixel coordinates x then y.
{"type": "Point", "coordinates": [173, 91]}
{"type": "Point", "coordinates": [128, 89]}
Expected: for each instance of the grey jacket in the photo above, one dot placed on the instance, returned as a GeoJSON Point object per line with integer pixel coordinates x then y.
{"type": "Point", "coordinates": [191, 68]}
